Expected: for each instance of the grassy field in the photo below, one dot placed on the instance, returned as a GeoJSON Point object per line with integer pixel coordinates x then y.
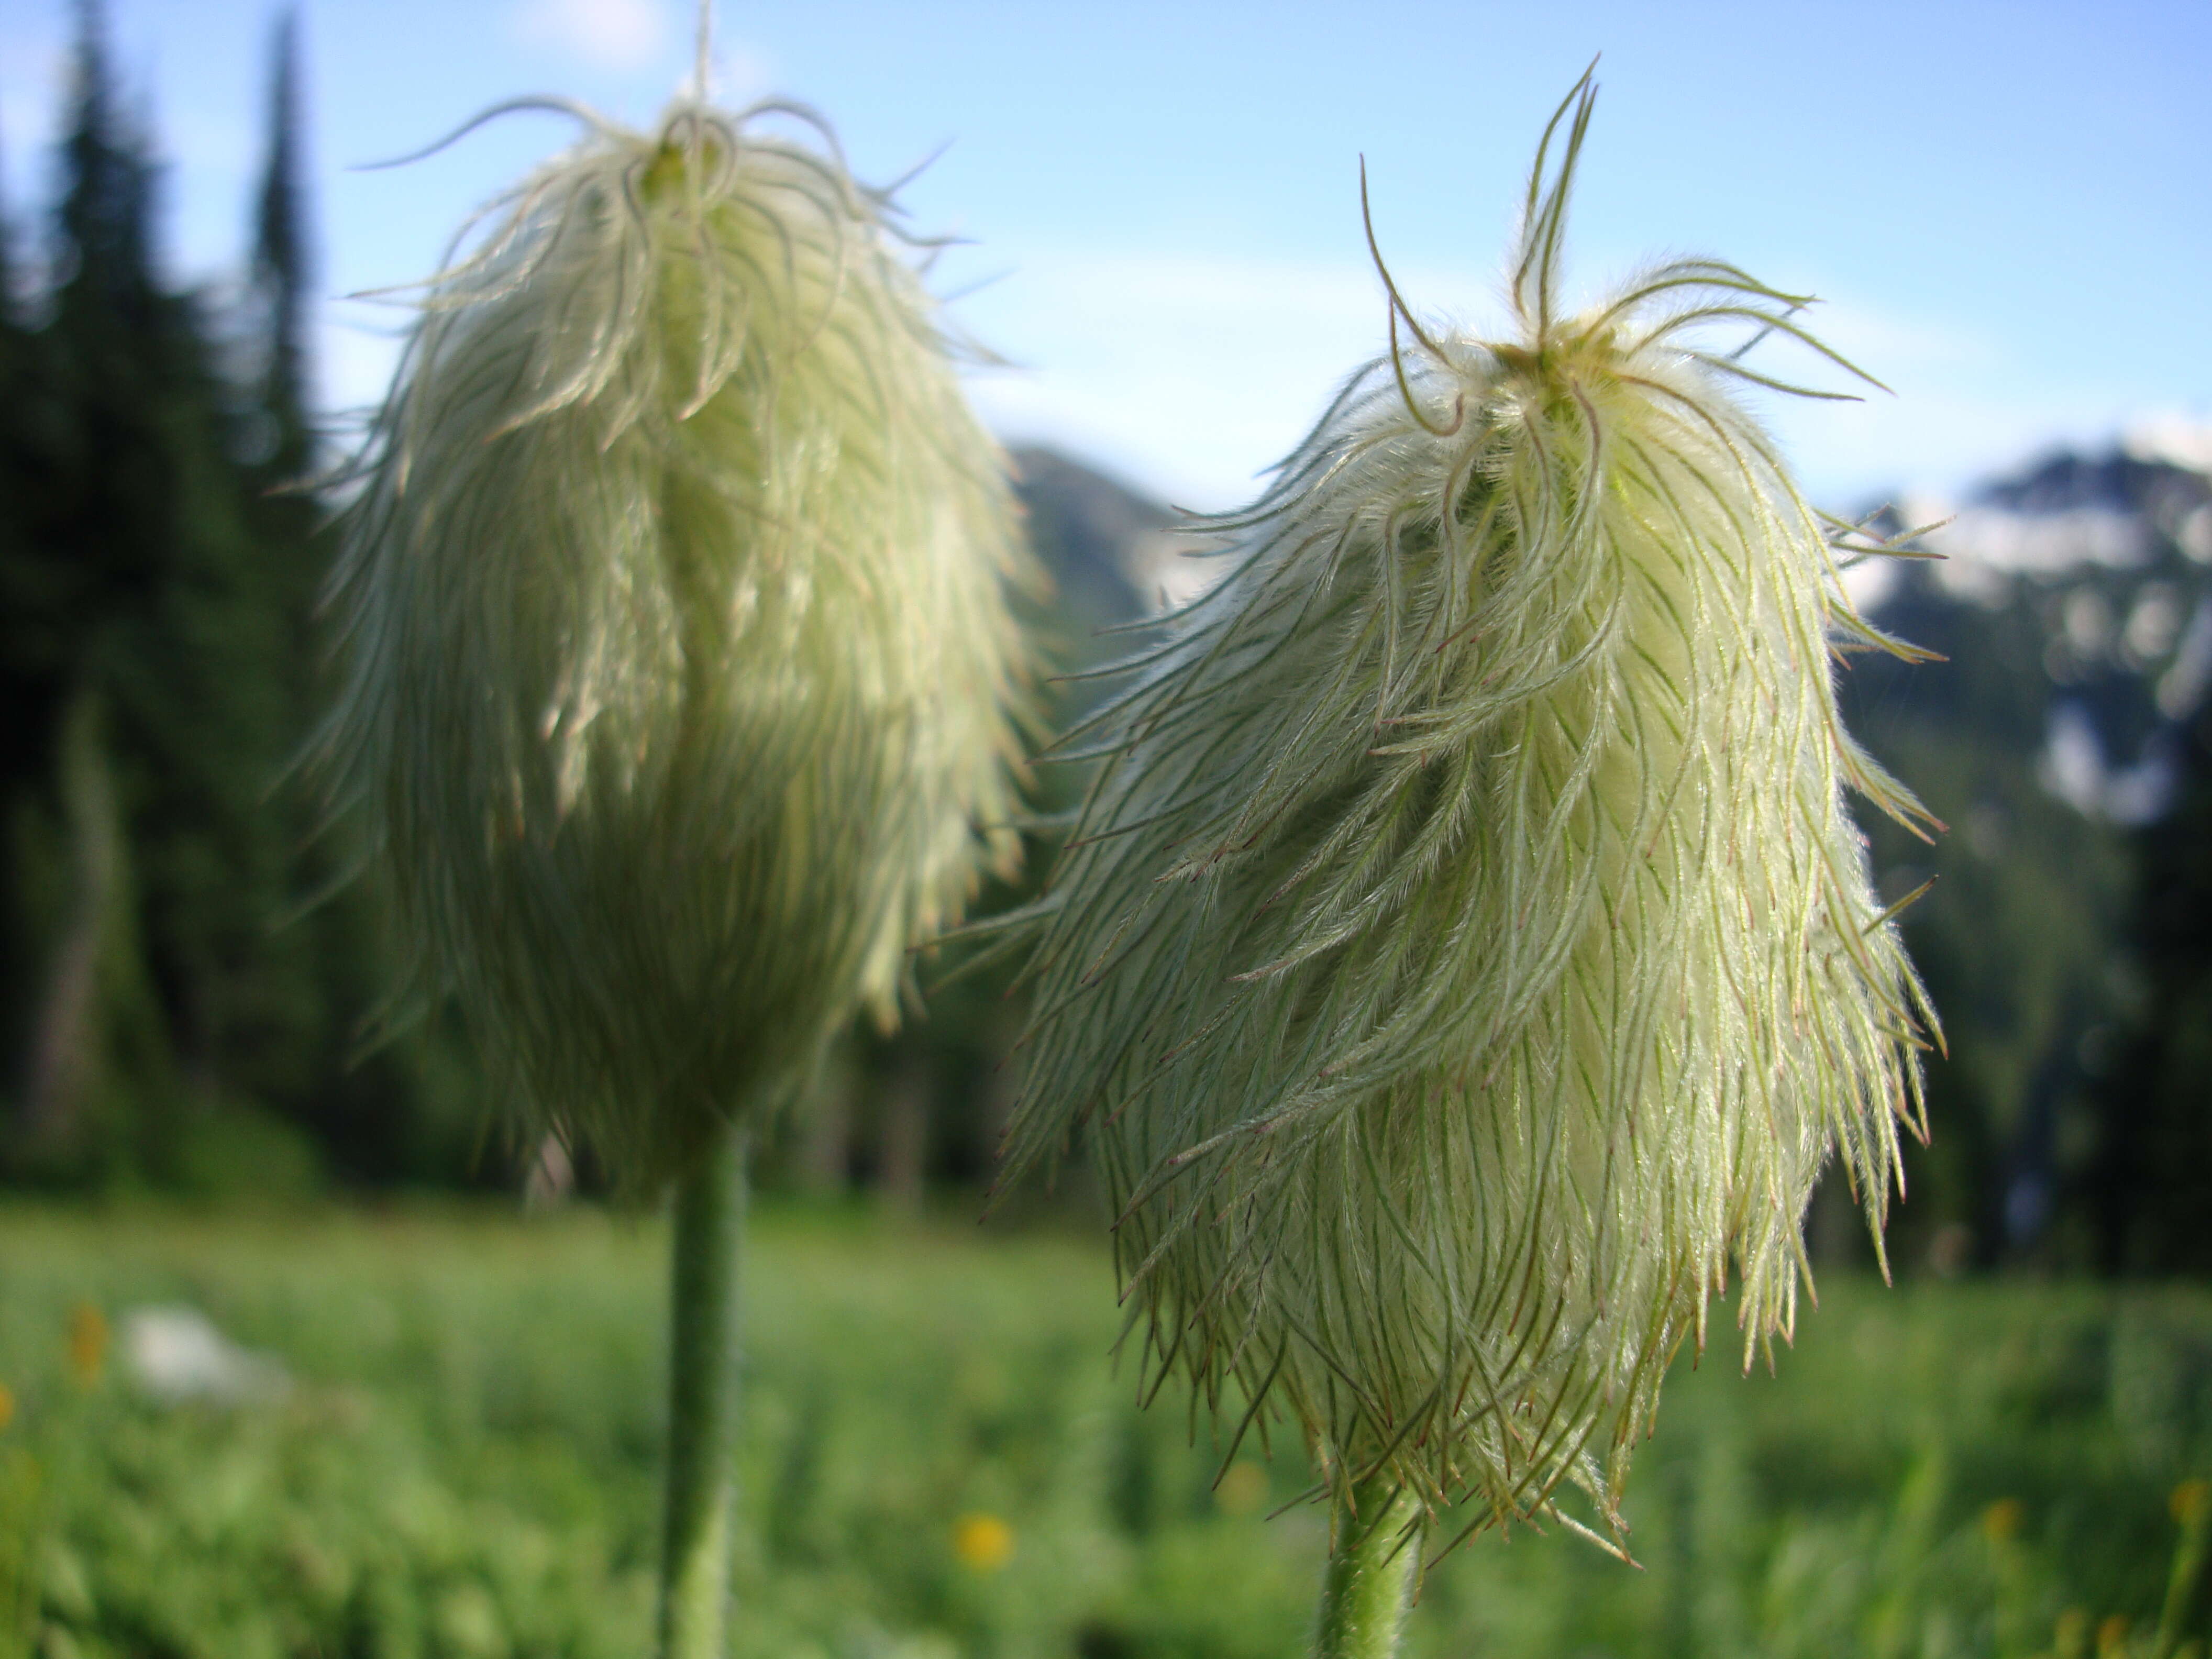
{"type": "Point", "coordinates": [940, 1462]}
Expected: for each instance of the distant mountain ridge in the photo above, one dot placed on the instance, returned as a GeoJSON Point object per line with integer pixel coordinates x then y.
{"type": "Point", "coordinates": [2107, 555]}
{"type": "Point", "coordinates": [2073, 610]}
{"type": "Point", "coordinates": [2107, 558]}
{"type": "Point", "coordinates": [1091, 533]}
{"type": "Point", "coordinates": [2075, 613]}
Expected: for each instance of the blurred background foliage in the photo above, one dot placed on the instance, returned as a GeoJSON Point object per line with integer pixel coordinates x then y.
{"type": "Point", "coordinates": [432, 1433]}
{"type": "Point", "coordinates": [439, 1436]}
{"type": "Point", "coordinates": [184, 972]}
{"type": "Point", "coordinates": [177, 1010]}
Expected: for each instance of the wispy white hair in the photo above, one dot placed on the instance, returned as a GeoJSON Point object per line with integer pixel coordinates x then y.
{"type": "Point", "coordinates": [1465, 953]}
{"type": "Point", "coordinates": [673, 614]}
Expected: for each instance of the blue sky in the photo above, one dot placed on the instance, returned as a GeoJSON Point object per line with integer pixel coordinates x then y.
{"type": "Point", "coordinates": [2003, 205]}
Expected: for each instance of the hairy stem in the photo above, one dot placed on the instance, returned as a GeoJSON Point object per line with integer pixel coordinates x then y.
{"type": "Point", "coordinates": [702, 1402]}
{"type": "Point", "coordinates": [1370, 1584]}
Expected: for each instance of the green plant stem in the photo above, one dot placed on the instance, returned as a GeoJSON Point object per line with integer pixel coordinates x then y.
{"type": "Point", "coordinates": [702, 1402]}
{"type": "Point", "coordinates": [1370, 1584]}
{"type": "Point", "coordinates": [2191, 1571]}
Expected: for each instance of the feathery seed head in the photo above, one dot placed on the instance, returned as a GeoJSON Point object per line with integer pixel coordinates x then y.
{"type": "Point", "coordinates": [673, 612]}
{"type": "Point", "coordinates": [1464, 954]}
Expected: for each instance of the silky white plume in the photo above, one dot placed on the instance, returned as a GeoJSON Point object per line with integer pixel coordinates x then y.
{"type": "Point", "coordinates": [1464, 954]}
{"type": "Point", "coordinates": [673, 613]}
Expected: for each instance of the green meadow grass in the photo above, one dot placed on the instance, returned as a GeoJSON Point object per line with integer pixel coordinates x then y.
{"type": "Point", "coordinates": [940, 1461]}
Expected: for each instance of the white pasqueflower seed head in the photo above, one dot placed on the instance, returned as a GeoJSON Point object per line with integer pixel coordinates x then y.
{"type": "Point", "coordinates": [674, 619]}
{"type": "Point", "coordinates": [1464, 953]}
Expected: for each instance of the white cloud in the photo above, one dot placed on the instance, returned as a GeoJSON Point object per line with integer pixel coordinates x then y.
{"type": "Point", "coordinates": [618, 34]}
{"type": "Point", "coordinates": [2046, 543]}
{"type": "Point", "coordinates": [2176, 438]}
{"type": "Point", "coordinates": [1942, 425]}
{"type": "Point", "coordinates": [1188, 373]}
{"type": "Point", "coordinates": [738, 73]}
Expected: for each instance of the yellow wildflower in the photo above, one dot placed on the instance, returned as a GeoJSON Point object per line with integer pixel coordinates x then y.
{"type": "Point", "coordinates": [88, 1343]}
{"type": "Point", "coordinates": [983, 1542]}
{"type": "Point", "coordinates": [2001, 1520]}
{"type": "Point", "coordinates": [2188, 1499]}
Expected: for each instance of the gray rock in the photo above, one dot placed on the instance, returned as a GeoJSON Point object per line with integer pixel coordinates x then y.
{"type": "Point", "coordinates": [174, 1354]}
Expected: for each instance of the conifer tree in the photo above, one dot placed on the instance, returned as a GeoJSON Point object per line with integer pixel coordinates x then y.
{"type": "Point", "coordinates": [159, 564]}
{"type": "Point", "coordinates": [283, 266]}
{"type": "Point", "coordinates": [107, 195]}
{"type": "Point", "coordinates": [158, 700]}
{"type": "Point", "coordinates": [2152, 1184]}
{"type": "Point", "coordinates": [20, 583]}
{"type": "Point", "coordinates": [79, 579]}
{"type": "Point", "coordinates": [7, 326]}
{"type": "Point", "coordinates": [405, 1109]}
